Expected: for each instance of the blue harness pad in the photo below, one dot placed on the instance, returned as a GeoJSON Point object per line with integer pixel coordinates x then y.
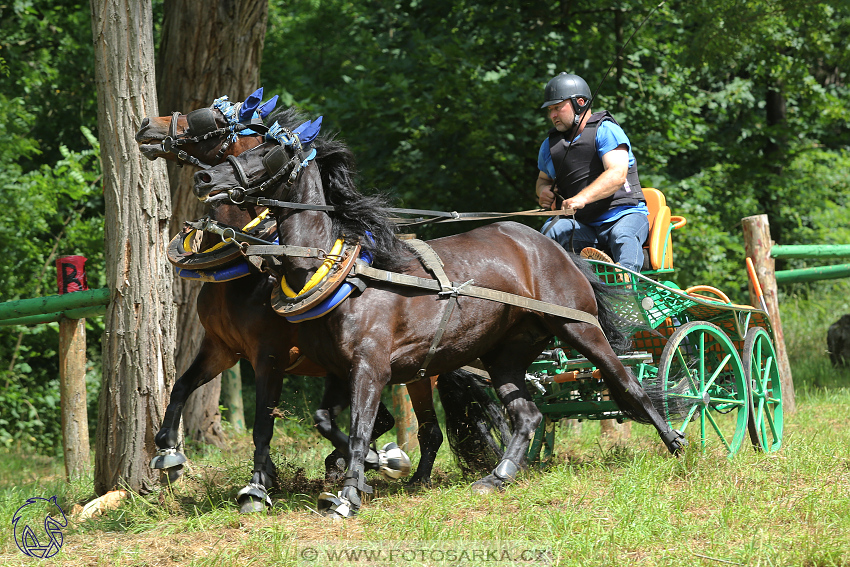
{"type": "Point", "coordinates": [238, 270]}
{"type": "Point", "coordinates": [326, 306]}
{"type": "Point", "coordinates": [332, 301]}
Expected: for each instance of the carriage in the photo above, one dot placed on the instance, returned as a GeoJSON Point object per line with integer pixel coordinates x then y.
{"type": "Point", "coordinates": [686, 348]}
{"type": "Point", "coordinates": [711, 362]}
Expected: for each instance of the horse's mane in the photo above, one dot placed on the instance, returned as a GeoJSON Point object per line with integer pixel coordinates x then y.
{"type": "Point", "coordinates": [356, 214]}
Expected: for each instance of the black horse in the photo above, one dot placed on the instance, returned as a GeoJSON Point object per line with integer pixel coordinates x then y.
{"type": "Point", "coordinates": [386, 333]}
{"type": "Point", "coordinates": [239, 323]}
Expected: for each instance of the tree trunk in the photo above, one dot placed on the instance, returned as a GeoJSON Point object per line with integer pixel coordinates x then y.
{"type": "Point", "coordinates": [138, 365]}
{"type": "Point", "coordinates": [209, 49]}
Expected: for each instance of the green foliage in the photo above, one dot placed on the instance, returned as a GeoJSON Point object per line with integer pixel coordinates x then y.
{"type": "Point", "coordinates": [49, 60]}
{"type": "Point", "coordinates": [732, 108]}
{"type": "Point", "coordinates": [52, 211]}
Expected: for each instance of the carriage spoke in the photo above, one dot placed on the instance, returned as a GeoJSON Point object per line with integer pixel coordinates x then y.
{"type": "Point", "coordinates": [719, 433]}
{"type": "Point", "coordinates": [690, 416]}
{"type": "Point", "coordinates": [716, 374]}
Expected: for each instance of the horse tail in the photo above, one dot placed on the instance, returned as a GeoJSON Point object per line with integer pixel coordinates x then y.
{"type": "Point", "coordinates": [620, 319]}
{"type": "Point", "coordinates": [615, 308]}
{"type": "Point", "coordinates": [475, 425]}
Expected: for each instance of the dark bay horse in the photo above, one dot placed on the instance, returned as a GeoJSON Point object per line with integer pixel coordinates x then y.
{"type": "Point", "coordinates": [239, 323]}
{"type": "Point", "coordinates": [385, 334]}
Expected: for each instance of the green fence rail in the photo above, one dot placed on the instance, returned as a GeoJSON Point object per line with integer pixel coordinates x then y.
{"type": "Point", "coordinates": [812, 251]}
{"type": "Point", "coordinates": [77, 305]}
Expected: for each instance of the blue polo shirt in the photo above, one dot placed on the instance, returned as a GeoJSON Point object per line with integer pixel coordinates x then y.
{"type": "Point", "coordinates": [609, 136]}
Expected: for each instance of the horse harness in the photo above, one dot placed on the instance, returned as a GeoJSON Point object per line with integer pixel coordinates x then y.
{"type": "Point", "coordinates": [349, 268]}
{"type": "Point", "coordinates": [344, 267]}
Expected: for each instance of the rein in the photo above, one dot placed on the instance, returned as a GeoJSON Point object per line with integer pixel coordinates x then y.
{"type": "Point", "coordinates": [238, 197]}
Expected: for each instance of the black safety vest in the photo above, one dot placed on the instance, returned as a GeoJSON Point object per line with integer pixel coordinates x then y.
{"type": "Point", "coordinates": [583, 165]}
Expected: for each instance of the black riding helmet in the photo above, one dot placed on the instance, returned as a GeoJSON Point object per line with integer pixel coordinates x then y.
{"type": "Point", "coordinates": [566, 86]}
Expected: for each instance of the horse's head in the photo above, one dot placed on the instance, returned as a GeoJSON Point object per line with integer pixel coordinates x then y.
{"type": "Point", "coordinates": [206, 135]}
{"type": "Point", "coordinates": [263, 169]}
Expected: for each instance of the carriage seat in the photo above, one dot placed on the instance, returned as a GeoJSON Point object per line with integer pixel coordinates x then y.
{"type": "Point", "coordinates": [658, 250]}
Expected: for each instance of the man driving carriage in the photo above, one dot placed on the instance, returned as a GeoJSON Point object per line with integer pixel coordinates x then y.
{"type": "Point", "coordinates": [587, 161]}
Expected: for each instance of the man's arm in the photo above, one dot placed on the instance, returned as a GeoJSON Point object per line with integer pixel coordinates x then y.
{"type": "Point", "coordinates": [616, 163]}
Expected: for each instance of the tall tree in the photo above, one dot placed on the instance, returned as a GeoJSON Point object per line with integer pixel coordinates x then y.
{"type": "Point", "coordinates": [138, 365]}
{"type": "Point", "coordinates": [208, 49]}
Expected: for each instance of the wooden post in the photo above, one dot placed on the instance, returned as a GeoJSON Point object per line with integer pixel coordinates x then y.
{"type": "Point", "coordinates": [406, 425]}
{"type": "Point", "coordinates": [757, 245]}
{"type": "Point", "coordinates": [71, 277]}
{"type": "Point", "coordinates": [231, 397]}
{"type": "Point", "coordinates": [72, 388]}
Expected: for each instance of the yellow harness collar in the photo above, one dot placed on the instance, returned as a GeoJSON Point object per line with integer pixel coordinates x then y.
{"type": "Point", "coordinates": [320, 274]}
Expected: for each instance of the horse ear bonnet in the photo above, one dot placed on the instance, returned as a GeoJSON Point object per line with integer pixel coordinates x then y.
{"type": "Point", "coordinates": [308, 131]}
{"type": "Point", "coordinates": [201, 121]}
{"type": "Point", "coordinates": [246, 112]}
{"type": "Point", "coordinates": [267, 106]}
{"type": "Point", "coordinates": [275, 160]}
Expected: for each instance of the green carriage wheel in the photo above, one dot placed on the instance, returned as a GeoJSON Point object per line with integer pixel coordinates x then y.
{"type": "Point", "coordinates": [761, 368]}
{"type": "Point", "coordinates": [704, 388]}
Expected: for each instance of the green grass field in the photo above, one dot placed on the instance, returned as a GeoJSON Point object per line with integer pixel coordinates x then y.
{"type": "Point", "coordinates": [599, 504]}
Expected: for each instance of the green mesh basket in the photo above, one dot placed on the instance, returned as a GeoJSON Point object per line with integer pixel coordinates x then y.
{"type": "Point", "coordinates": [642, 300]}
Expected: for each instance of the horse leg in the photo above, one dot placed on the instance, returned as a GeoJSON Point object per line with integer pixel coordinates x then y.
{"type": "Point", "coordinates": [429, 434]}
{"type": "Point", "coordinates": [254, 496]}
{"type": "Point", "coordinates": [212, 359]}
{"type": "Point", "coordinates": [365, 399]}
{"type": "Point", "coordinates": [623, 387]}
{"type": "Point", "coordinates": [336, 398]}
{"type": "Point", "coordinates": [508, 375]}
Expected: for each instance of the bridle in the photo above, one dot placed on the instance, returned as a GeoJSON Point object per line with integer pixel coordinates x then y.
{"type": "Point", "coordinates": [277, 163]}
{"type": "Point", "coordinates": [202, 127]}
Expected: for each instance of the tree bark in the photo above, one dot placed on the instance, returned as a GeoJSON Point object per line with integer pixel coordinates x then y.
{"type": "Point", "coordinates": [138, 365]}
{"type": "Point", "coordinates": [209, 49]}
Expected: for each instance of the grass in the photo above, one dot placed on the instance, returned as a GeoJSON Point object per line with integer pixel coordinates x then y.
{"type": "Point", "coordinates": [598, 504]}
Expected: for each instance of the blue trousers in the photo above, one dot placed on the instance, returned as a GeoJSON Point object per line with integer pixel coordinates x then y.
{"type": "Point", "coordinates": [623, 238]}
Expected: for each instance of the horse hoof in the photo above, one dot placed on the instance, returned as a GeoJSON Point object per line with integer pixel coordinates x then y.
{"type": "Point", "coordinates": [393, 463]}
{"type": "Point", "coordinates": [487, 485]}
{"type": "Point", "coordinates": [170, 475]}
{"type": "Point", "coordinates": [253, 498]}
{"type": "Point", "coordinates": [334, 468]}
{"type": "Point", "coordinates": [418, 482]}
{"type": "Point", "coordinates": [168, 458]}
{"type": "Point", "coordinates": [675, 441]}
{"type": "Point", "coordinates": [334, 506]}
{"type": "Point", "coordinates": [251, 505]}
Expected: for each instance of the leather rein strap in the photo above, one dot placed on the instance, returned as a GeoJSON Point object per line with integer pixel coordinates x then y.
{"type": "Point", "coordinates": [436, 216]}
{"type": "Point", "coordinates": [469, 290]}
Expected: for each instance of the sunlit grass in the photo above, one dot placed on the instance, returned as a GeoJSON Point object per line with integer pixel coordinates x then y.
{"type": "Point", "coordinates": [598, 503]}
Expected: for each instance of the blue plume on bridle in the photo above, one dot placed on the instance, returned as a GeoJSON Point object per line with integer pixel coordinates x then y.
{"type": "Point", "coordinates": [298, 139]}
{"type": "Point", "coordinates": [300, 136]}
{"type": "Point", "coordinates": [245, 112]}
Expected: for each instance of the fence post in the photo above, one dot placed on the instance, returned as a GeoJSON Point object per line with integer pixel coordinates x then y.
{"type": "Point", "coordinates": [757, 245]}
{"type": "Point", "coordinates": [71, 277]}
{"type": "Point", "coordinates": [406, 425]}
{"type": "Point", "coordinates": [231, 397]}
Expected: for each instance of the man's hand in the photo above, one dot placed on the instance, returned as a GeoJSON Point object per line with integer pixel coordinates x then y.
{"type": "Point", "coordinates": [545, 194]}
{"type": "Point", "coordinates": [546, 198]}
{"type": "Point", "coordinates": [575, 203]}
